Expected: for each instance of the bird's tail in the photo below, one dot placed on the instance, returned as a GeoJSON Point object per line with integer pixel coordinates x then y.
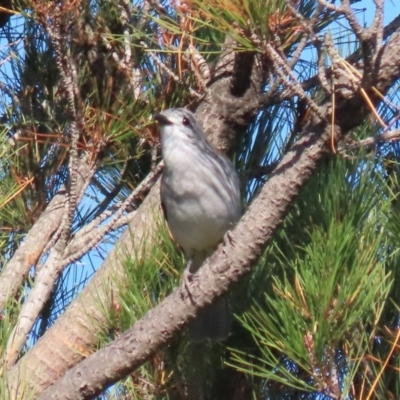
{"type": "Point", "coordinates": [212, 322]}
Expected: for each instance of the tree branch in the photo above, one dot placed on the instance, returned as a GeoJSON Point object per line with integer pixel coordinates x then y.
{"type": "Point", "coordinates": [373, 141]}
{"type": "Point", "coordinates": [27, 255]}
{"type": "Point", "coordinates": [41, 291]}
{"type": "Point", "coordinates": [84, 320]}
{"type": "Point", "coordinates": [232, 260]}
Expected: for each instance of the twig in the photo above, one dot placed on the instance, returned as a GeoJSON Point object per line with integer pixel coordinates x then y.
{"type": "Point", "coordinates": [83, 163]}
{"type": "Point", "coordinates": [90, 237]}
{"type": "Point", "coordinates": [387, 31]}
{"type": "Point", "coordinates": [376, 28]}
{"type": "Point", "coordinates": [345, 9]}
{"type": "Point", "coordinates": [46, 276]}
{"type": "Point", "coordinates": [8, 91]}
{"type": "Point", "coordinates": [282, 70]}
{"type": "Point", "coordinates": [164, 68]}
{"type": "Point", "coordinates": [201, 68]}
{"type": "Point", "coordinates": [144, 16]}
{"type": "Point", "coordinates": [125, 18]}
{"type": "Point", "coordinates": [69, 77]}
{"type": "Point", "coordinates": [326, 86]}
{"type": "Point", "coordinates": [37, 297]}
{"type": "Point", "coordinates": [127, 63]}
{"type": "Point", "coordinates": [373, 141]}
{"type": "Point", "coordinates": [36, 241]}
{"type": "Point", "coordinates": [308, 25]}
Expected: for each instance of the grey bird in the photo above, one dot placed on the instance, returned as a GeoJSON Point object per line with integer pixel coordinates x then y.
{"type": "Point", "coordinates": [200, 196]}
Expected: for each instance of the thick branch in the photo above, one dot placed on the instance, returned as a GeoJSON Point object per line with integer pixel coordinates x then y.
{"type": "Point", "coordinates": [232, 260]}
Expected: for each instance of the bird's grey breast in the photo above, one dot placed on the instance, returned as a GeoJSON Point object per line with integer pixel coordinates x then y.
{"type": "Point", "coordinates": [201, 199]}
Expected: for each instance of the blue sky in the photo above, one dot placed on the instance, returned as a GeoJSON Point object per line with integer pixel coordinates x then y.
{"type": "Point", "coordinates": [391, 11]}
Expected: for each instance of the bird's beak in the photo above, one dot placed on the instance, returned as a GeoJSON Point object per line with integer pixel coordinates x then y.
{"type": "Point", "coordinates": [162, 119]}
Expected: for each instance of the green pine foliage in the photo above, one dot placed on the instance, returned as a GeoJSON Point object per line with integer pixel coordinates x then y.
{"type": "Point", "coordinates": [324, 302]}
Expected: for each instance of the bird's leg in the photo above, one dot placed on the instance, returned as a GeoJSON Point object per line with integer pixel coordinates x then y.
{"type": "Point", "coordinates": [187, 279]}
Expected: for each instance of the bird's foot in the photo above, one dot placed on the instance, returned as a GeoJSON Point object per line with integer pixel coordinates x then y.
{"type": "Point", "coordinates": [228, 239]}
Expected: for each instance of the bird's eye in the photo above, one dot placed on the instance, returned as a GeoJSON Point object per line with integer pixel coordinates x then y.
{"type": "Point", "coordinates": [186, 121]}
